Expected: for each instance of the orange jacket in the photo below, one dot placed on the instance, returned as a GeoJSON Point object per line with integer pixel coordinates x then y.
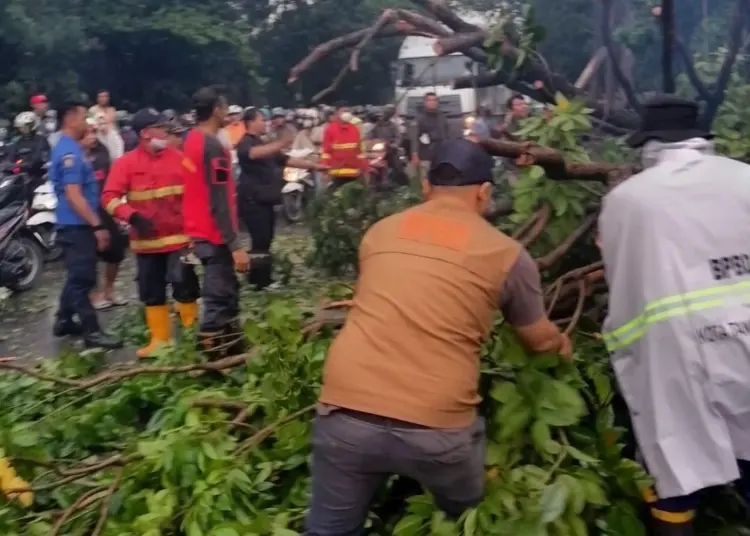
{"type": "Point", "coordinates": [152, 185]}
{"type": "Point", "coordinates": [343, 151]}
{"type": "Point", "coordinates": [235, 131]}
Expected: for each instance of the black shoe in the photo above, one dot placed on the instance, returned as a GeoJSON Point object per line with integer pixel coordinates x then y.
{"type": "Point", "coordinates": [65, 328]}
{"type": "Point", "coordinates": [237, 342]}
{"type": "Point", "coordinates": [101, 339]}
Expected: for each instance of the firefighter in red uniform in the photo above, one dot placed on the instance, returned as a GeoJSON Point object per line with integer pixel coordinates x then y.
{"type": "Point", "coordinates": [343, 152]}
{"type": "Point", "coordinates": [210, 213]}
{"type": "Point", "coordinates": [151, 178]}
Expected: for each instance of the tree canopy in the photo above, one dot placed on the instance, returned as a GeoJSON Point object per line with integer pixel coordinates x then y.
{"type": "Point", "coordinates": [157, 52]}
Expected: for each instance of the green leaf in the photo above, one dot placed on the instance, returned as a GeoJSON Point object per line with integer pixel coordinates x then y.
{"type": "Point", "coordinates": [281, 531]}
{"type": "Point", "coordinates": [594, 493]}
{"type": "Point", "coordinates": [576, 493]}
{"type": "Point", "coordinates": [409, 526]}
{"type": "Point", "coordinates": [536, 172]}
{"type": "Point", "coordinates": [504, 392]}
{"type": "Point", "coordinates": [23, 436]}
{"type": "Point", "coordinates": [578, 526]}
{"type": "Point", "coordinates": [225, 532]}
{"type": "Point", "coordinates": [470, 525]}
{"type": "Point", "coordinates": [581, 456]}
{"type": "Point", "coordinates": [552, 503]}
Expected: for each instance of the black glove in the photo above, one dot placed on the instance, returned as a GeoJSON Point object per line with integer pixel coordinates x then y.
{"type": "Point", "coordinates": [143, 225]}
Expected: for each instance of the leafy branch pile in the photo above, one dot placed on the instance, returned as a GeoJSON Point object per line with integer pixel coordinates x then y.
{"type": "Point", "coordinates": [185, 447]}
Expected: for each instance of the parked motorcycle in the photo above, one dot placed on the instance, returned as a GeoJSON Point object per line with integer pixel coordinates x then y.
{"type": "Point", "coordinates": [21, 250]}
{"type": "Point", "coordinates": [43, 220]}
{"type": "Point", "coordinates": [298, 190]}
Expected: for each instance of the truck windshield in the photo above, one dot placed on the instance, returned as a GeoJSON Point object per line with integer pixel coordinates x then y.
{"type": "Point", "coordinates": [424, 72]}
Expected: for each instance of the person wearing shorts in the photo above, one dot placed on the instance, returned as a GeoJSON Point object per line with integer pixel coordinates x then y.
{"type": "Point", "coordinates": [113, 256]}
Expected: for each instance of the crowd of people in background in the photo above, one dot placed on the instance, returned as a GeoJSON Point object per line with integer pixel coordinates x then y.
{"type": "Point", "coordinates": [93, 142]}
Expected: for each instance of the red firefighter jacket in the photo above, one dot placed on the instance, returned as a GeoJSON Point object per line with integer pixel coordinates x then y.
{"type": "Point", "coordinates": [343, 151]}
{"type": "Point", "coordinates": [210, 200]}
{"type": "Point", "coordinates": [152, 185]}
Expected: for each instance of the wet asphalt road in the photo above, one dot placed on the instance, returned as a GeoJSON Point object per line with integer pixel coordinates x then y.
{"type": "Point", "coordinates": [26, 319]}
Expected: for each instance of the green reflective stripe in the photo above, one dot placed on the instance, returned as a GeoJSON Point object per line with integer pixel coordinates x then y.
{"type": "Point", "coordinates": [670, 307]}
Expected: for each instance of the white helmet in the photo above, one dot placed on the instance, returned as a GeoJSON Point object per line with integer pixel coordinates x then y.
{"type": "Point", "coordinates": [234, 109]}
{"type": "Point", "coordinates": [26, 122]}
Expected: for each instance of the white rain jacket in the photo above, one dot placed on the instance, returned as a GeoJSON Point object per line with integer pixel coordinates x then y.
{"type": "Point", "coordinates": [676, 247]}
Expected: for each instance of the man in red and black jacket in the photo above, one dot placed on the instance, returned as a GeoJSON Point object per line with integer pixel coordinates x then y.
{"type": "Point", "coordinates": [210, 216]}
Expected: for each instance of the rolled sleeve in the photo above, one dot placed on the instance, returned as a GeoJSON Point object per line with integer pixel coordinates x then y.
{"type": "Point", "coordinates": [522, 298]}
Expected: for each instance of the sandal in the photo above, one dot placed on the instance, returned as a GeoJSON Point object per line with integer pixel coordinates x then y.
{"type": "Point", "coordinates": [102, 305]}
{"type": "Point", "coordinates": [118, 301]}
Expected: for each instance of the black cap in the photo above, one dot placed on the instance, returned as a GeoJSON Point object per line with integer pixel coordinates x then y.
{"type": "Point", "coordinates": [472, 163]}
{"type": "Point", "coordinates": [147, 117]}
{"type": "Point", "coordinates": [668, 119]}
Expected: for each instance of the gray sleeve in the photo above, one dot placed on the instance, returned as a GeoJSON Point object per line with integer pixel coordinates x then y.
{"type": "Point", "coordinates": [218, 168]}
{"type": "Point", "coordinates": [522, 298]}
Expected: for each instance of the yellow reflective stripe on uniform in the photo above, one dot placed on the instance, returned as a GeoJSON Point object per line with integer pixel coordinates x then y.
{"type": "Point", "coordinates": [673, 306]}
{"type": "Point", "coordinates": [344, 145]}
{"type": "Point", "coordinates": [344, 171]}
{"type": "Point", "coordinates": [156, 193]}
{"type": "Point", "coordinates": [156, 243]}
{"type": "Point", "coordinates": [325, 155]}
{"type": "Point", "coordinates": [674, 518]}
{"type": "Point", "coordinates": [112, 205]}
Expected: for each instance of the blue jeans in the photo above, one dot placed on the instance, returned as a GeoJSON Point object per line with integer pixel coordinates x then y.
{"type": "Point", "coordinates": [354, 453]}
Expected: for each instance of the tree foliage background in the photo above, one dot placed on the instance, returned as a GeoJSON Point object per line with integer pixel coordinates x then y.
{"type": "Point", "coordinates": [157, 52]}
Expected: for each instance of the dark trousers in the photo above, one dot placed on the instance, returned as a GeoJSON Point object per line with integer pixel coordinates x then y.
{"type": "Point", "coordinates": [260, 220]}
{"type": "Point", "coordinates": [79, 249]}
{"type": "Point", "coordinates": [354, 453]}
{"type": "Point", "coordinates": [689, 503]}
{"type": "Point", "coordinates": [220, 290]}
{"type": "Point", "coordinates": [157, 270]}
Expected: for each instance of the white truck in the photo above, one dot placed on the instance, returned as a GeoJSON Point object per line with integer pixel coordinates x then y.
{"type": "Point", "coordinates": [418, 71]}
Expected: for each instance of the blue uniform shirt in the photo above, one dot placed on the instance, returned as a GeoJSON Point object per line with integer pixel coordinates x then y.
{"type": "Point", "coordinates": [69, 165]}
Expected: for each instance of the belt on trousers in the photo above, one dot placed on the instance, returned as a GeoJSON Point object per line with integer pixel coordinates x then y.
{"type": "Point", "coordinates": [379, 420]}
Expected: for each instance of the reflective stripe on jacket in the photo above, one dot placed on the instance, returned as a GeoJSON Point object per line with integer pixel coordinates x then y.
{"type": "Point", "coordinates": [151, 185]}
{"type": "Point", "coordinates": [343, 151]}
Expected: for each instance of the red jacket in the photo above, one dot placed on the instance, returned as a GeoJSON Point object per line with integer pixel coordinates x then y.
{"type": "Point", "coordinates": [210, 200]}
{"type": "Point", "coordinates": [152, 185]}
{"type": "Point", "coordinates": [343, 151]}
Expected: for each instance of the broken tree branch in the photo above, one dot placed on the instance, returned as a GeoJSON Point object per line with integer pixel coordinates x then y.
{"type": "Point", "coordinates": [553, 163]}
{"type": "Point", "coordinates": [668, 38]}
{"type": "Point", "coordinates": [556, 254]}
{"type": "Point", "coordinates": [722, 80]}
{"type": "Point", "coordinates": [442, 11]}
{"type": "Point", "coordinates": [692, 74]}
{"type": "Point", "coordinates": [614, 52]}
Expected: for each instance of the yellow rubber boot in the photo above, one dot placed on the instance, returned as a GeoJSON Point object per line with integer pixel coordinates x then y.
{"type": "Point", "coordinates": [188, 313]}
{"type": "Point", "coordinates": [160, 325]}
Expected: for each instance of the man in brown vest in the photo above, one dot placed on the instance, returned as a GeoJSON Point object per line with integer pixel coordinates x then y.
{"type": "Point", "coordinates": [400, 384]}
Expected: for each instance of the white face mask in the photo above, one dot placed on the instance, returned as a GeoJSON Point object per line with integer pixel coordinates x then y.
{"type": "Point", "coordinates": [307, 123]}
{"type": "Point", "coordinates": [346, 117]}
{"type": "Point", "coordinates": [157, 144]}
